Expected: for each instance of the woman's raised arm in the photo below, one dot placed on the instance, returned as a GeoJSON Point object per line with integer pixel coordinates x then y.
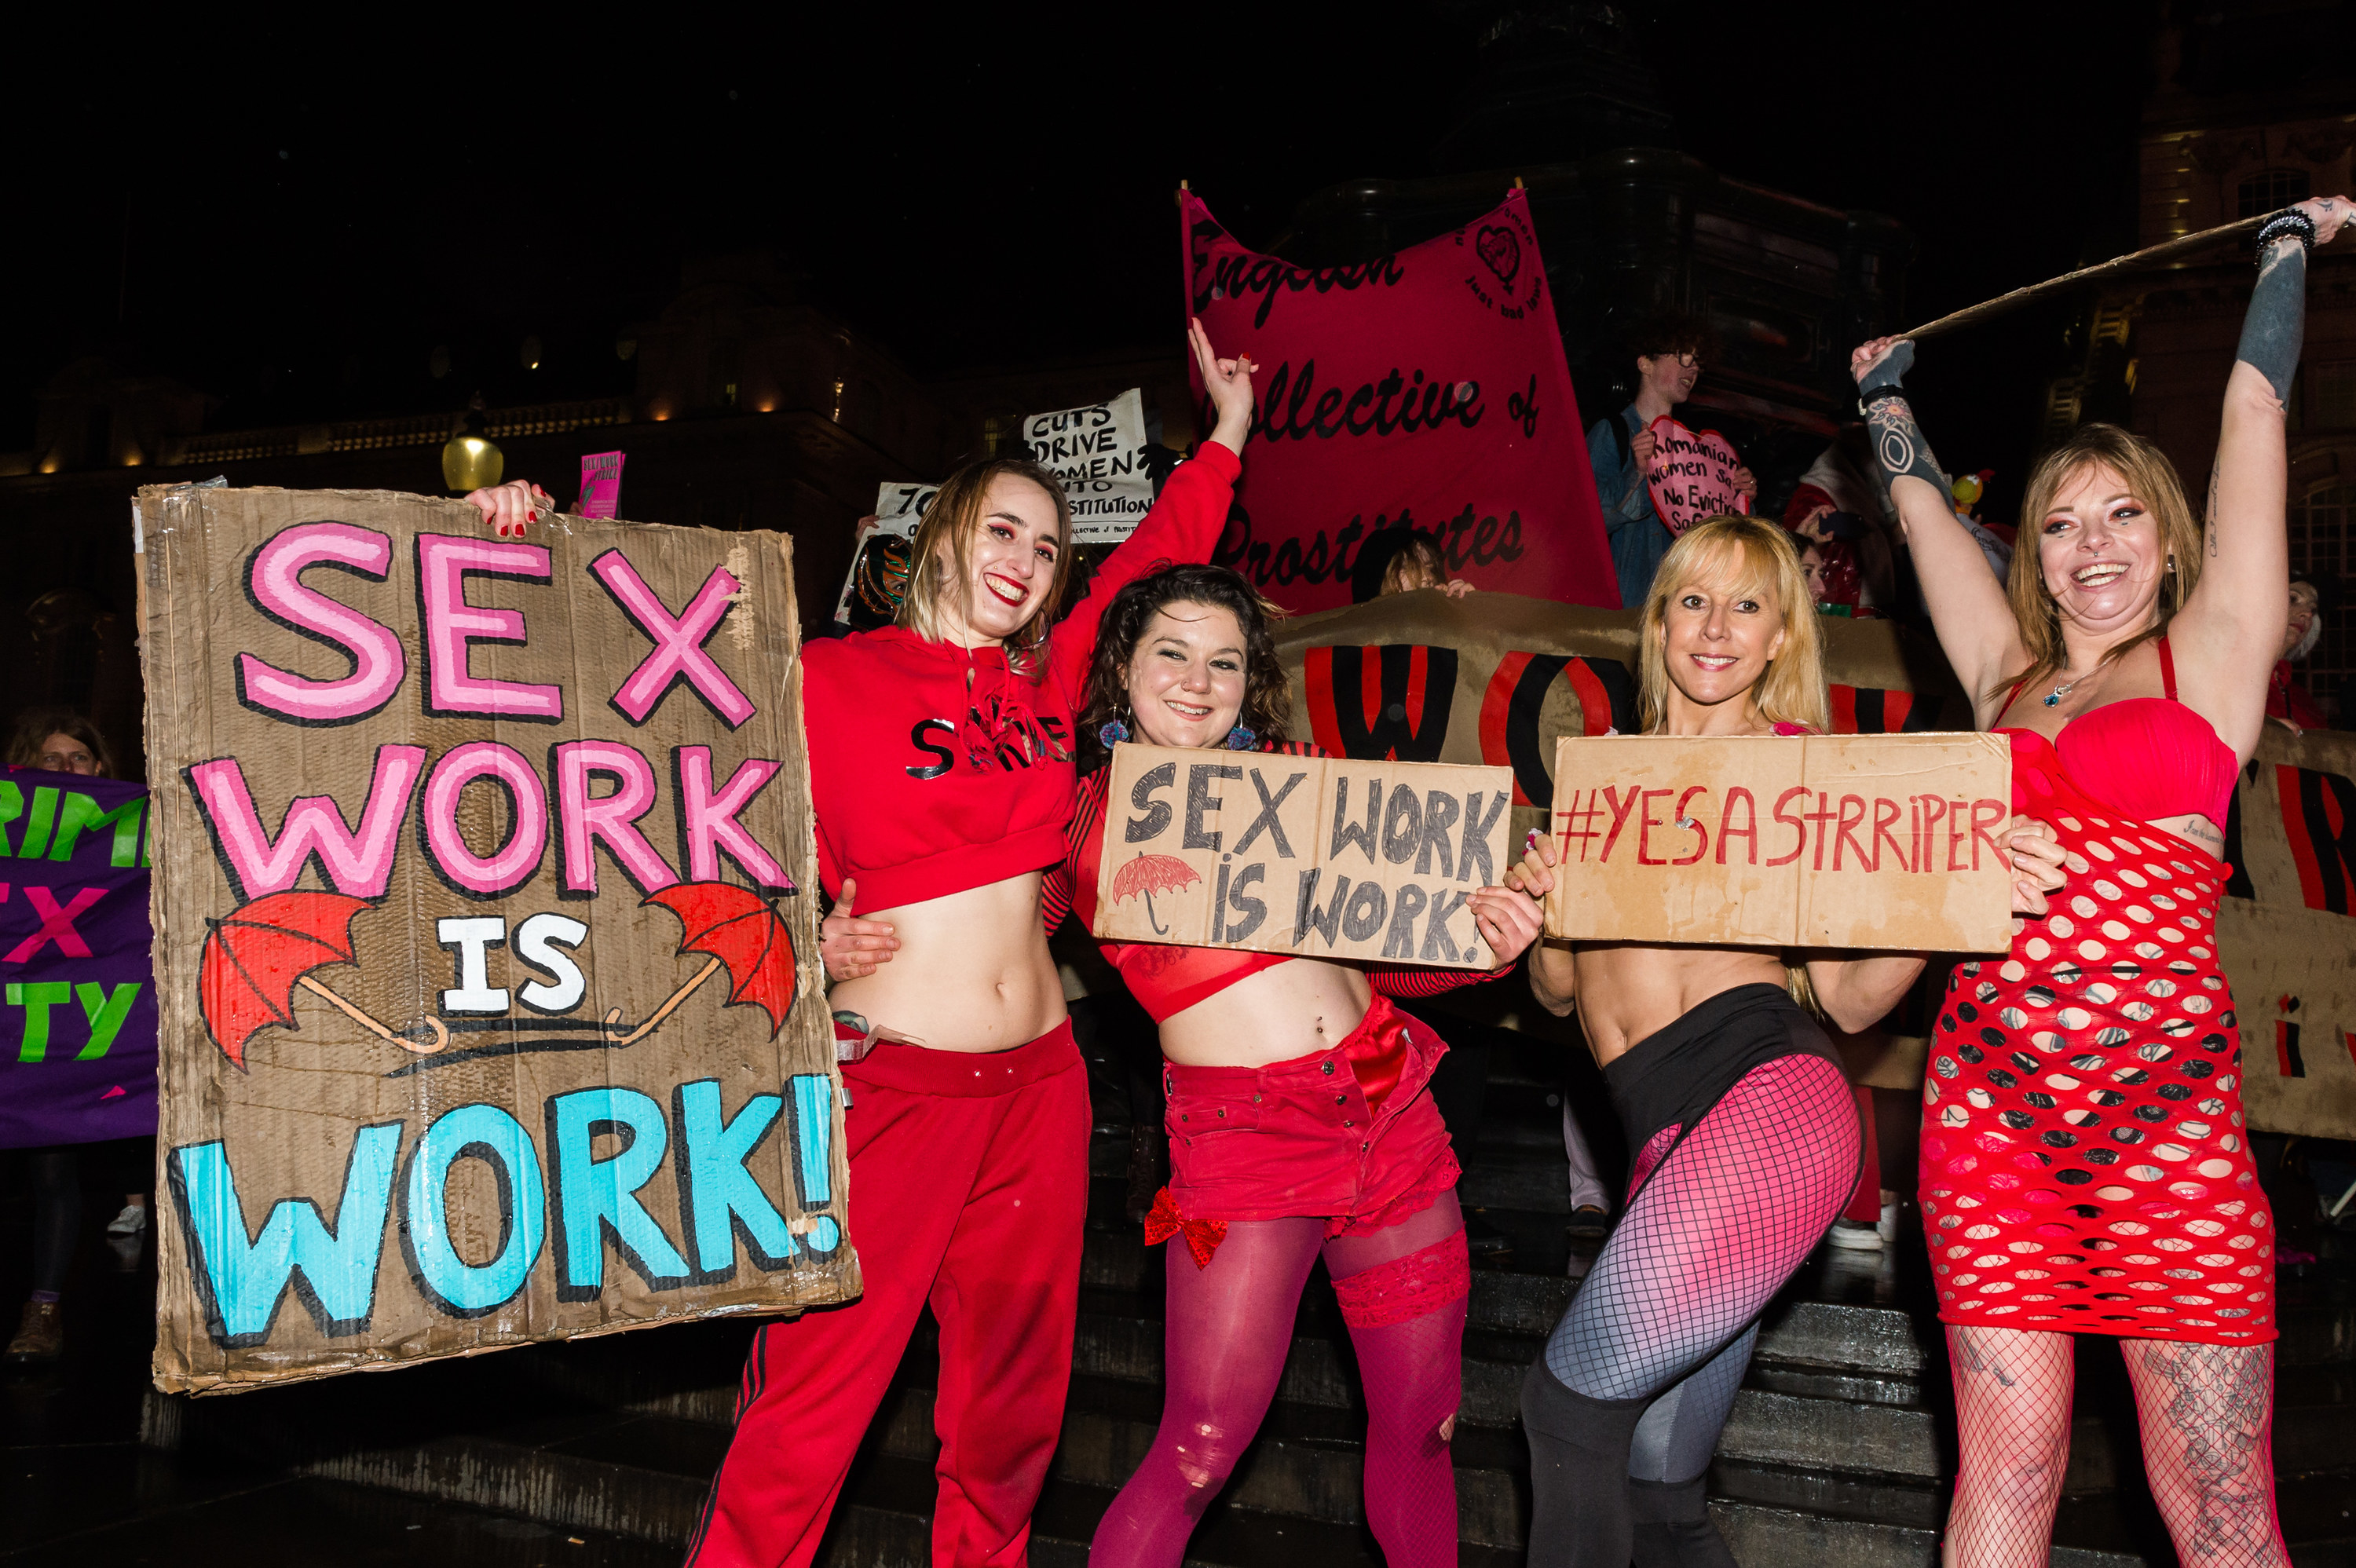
{"type": "Point", "coordinates": [1968, 608]}
{"type": "Point", "coordinates": [2229, 633]}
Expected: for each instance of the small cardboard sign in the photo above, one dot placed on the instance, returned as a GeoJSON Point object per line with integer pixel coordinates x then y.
{"type": "Point", "coordinates": [1864, 841]}
{"type": "Point", "coordinates": [879, 567]}
{"type": "Point", "coordinates": [1311, 856]}
{"type": "Point", "coordinates": [1099, 453]}
{"type": "Point", "coordinates": [1692, 476]}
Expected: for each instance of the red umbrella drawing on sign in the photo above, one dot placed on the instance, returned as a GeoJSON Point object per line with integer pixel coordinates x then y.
{"type": "Point", "coordinates": [1148, 875]}
{"type": "Point", "coordinates": [743, 934]}
{"type": "Point", "coordinates": [254, 959]}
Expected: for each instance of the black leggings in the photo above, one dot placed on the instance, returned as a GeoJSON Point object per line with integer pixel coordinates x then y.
{"type": "Point", "coordinates": [57, 1212]}
{"type": "Point", "coordinates": [1727, 1197]}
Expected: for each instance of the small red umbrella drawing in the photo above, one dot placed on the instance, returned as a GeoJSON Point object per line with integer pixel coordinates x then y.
{"type": "Point", "coordinates": [1148, 875]}
{"type": "Point", "coordinates": [254, 959]}
{"type": "Point", "coordinates": [743, 934]}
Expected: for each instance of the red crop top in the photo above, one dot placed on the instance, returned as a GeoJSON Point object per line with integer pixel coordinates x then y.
{"type": "Point", "coordinates": [2145, 757]}
{"type": "Point", "coordinates": [1166, 978]}
{"type": "Point", "coordinates": [935, 768]}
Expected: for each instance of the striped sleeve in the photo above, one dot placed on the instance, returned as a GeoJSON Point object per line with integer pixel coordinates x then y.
{"type": "Point", "coordinates": [1410, 981]}
{"type": "Point", "coordinates": [1060, 889]}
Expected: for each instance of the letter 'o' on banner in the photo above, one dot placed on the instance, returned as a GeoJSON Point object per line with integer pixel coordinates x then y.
{"type": "Point", "coordinates": [1510, 708]}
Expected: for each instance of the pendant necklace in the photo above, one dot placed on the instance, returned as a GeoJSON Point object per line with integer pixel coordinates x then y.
{"type": "Point", "coordinates": [2053, 698]}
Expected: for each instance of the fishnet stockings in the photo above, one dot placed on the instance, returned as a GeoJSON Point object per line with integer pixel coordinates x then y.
{"type": "Point", "coordinates": [2207, 1414]}
{"type": "Point", "coordinates": [1638, 1377]}
{"type": "Point", "coordinates": [1229, 1328]}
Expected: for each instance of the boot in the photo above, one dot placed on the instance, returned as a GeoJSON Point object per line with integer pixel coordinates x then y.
{"type": "Point", "coordinates": [41, 1337]}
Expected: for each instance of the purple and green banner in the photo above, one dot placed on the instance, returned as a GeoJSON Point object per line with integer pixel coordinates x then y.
{"type": "Point", "coordinates": [77, 1011]}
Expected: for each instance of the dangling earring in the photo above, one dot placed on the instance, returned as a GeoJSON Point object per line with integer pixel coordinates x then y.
{"type": "Point", "coordinates": [1240, 739]}
{"type": "Point", "coordinates": [2171, 562]}
{"type": "Point", "coordinates": [1112, 732]}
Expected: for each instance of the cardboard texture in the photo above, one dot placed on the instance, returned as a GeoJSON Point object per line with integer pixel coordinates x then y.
{"type": "Point", "coordinates": [489, 1005]}
{"type": "Point", "coordinates": [1315, 858]}
{"type": "Point", "coordinates": [1886, 842]}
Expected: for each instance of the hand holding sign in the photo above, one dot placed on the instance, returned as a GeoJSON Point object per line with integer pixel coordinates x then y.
{"type": "Point", "coordinates": [1693, 473]}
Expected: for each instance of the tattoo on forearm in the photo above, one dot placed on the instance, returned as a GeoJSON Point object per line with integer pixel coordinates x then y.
{"type": "Point", "coordinates": [1899, 445]}
{"type": "Point", "coordinates": [2275, 325]}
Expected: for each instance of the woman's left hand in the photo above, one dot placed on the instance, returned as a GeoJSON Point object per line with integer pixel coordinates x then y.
{"type": "Point", "coordinates": [2037, 868]}
{"type": "Point", "coordinates": [1746, 484]}
{"type": "Point", "coordinates": [1457, 587]}
{"type": "Point", "coordinates": [1228, 384]}
{"type": "Point", "coordinates": [1508, 921]}
{"type": "Point", "coordinates": [508, 507]}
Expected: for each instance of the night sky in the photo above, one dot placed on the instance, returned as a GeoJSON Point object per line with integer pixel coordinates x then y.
{"type": "Point", "coordinates": [292, 221]}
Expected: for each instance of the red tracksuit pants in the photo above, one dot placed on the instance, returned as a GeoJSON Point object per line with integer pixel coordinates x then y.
{"type": "Point", "coordinates": [968, 1191]}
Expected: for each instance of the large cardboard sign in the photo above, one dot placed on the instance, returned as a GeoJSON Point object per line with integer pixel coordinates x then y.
{"type": "Point", "coordinates": [1424, 389]}
{"type": "Point", "coordinates": [1784, 841]}
{"type": "Point", "coordinates": [1692, 476]}
{"type": "Point", "coordinates": [1311, 856]}
{"type": "Point", "coordinates": [78, 1014]}
{"type": "Point", "coordinates": [1099, 453]}
{"type": "Point", "coordinates": [488, 983]}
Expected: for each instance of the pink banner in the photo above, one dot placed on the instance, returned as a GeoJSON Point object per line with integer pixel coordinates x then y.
{"type": "Point", "coordinates": [1692, 476]}
{"type": "Point", "coordinates": [1426, 389]}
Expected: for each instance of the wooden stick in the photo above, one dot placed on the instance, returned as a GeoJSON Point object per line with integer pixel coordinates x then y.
{"type": "Point", "coordinates": [2150, 256]}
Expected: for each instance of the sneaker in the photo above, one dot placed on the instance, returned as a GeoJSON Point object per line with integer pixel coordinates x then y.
{"type": "Point", "coordinates": [41, 1337]}
{"type": "Point", "coordinates": [130, 1222]}
{"type": "Point", "coordinates": [1856, 1235]}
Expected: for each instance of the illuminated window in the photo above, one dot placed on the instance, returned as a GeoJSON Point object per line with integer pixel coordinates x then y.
{"type": "Point", "coordinates": [2323, 544]}
{"type": "Point", "coordinates": [2271, 188]}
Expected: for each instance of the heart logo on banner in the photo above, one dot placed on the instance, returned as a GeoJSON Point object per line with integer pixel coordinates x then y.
{"type": "Point", "coordinates": [1501, 250]}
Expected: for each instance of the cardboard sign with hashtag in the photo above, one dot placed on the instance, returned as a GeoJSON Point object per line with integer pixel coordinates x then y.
{"type": "Point", "coordinates": [1863, 841]}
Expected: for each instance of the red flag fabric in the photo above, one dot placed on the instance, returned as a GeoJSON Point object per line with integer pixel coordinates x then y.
{"type": "Point", "coordinates": [1426, 389]}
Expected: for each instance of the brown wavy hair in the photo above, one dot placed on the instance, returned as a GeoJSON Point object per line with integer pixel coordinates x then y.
{"type": "Point", "coordinates": [941, 556]}
{"type": "Point", "coordinates": [2152, 480]}
{"type": "Point", "coordinates": [36, 725]}
{"type": "Point", "coordinates": [1268, 694]}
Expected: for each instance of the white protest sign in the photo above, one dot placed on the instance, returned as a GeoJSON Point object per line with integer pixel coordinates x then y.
{"type": "Point", "coordinates": [1311, 856]}
{"type": "Point", "coordinates": [899, 507]}
{"type": "Point", "coordinates": [1692, 476]}
{"type": "Point", "coordinates": [1099, 453]}
{"type": "Point", "coordinates": [1867, 841]}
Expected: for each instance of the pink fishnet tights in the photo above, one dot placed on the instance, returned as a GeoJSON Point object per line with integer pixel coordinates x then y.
{"type": "Point", "coordinates": [1230, 1330]}
{"type": "Point", "coordinates": [2207, 1414]}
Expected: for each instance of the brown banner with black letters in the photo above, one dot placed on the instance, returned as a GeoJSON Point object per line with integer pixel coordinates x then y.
{"type": "Point", "coordinates": [487, 970]}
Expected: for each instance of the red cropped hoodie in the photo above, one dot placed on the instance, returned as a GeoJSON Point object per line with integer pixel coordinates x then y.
{"type": "Point", "coordinates": [935, 768]}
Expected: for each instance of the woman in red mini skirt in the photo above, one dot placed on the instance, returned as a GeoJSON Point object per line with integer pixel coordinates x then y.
{"type": "Point", "coordinates": [2085, 1165]}
{"type": "Point", "coordinates": [1300, 1118]}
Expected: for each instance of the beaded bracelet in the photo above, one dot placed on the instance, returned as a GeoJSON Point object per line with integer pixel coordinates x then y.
{"type": "Point", "coordinates": [2289, 223]}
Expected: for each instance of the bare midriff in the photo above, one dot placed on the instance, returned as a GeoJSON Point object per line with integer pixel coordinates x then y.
{"type": "Point", "coordinates": [1626, 992]}
{"type": "Point", "coordinates": [971, 971]}
{"type": "Point", "coordinates": [1274, 1015]}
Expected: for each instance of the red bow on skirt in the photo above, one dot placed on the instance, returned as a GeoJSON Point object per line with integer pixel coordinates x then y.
{"type": "Point", "coordinates": [1203, 1236]}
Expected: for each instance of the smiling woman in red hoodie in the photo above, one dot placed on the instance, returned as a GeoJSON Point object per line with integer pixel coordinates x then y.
{"type": "Point", "coordinates": [941, 773]}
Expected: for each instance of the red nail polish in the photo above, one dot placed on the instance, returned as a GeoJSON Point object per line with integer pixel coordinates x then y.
{"type": "Point", "coordinates": [530, 518]}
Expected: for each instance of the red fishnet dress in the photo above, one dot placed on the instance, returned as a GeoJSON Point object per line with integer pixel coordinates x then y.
{"type": "Point", "coordinates": [2085, 1166]}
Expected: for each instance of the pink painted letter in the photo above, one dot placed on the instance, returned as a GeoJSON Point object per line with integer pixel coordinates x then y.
{"type": "Point", "coordinates": [582, 818]}
{"type": "Point", "coordinates": [512, 864]}
{"type": "Point", "coordinates": [708, 822]}
{"type": "Point", "coordinates": [679, 644]}
{"type": "Point", "coordinates": [274, 579]}
{"type": "Point", "coordinates": [358, 863]}
{"type": "Point", "coordinates": [452, 625]}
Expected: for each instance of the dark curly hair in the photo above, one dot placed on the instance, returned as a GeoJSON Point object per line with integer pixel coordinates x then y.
{"type": "Point", "coordinates": [1268, 695]}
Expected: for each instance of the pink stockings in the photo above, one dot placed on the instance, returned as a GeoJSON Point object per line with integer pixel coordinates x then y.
{"type": "Point", "coordinates": [1229, 1332]}
{"type": "Point", "coordinates": [2207, 1412]}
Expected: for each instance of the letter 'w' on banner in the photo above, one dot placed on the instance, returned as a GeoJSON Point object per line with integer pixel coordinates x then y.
{"type": "Point", "coordinates": [1425, 389]}
{"type": "Point", "coordinates": [1309, 857]}
{"type": "Point", "coordinates": [1866, 841]}
{"type": "Point", "coordinates": [486, 994]}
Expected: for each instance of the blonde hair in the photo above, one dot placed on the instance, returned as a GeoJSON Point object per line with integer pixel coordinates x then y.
{"type": "Point", "coordinates": [941, 556]}
{"type": "Point", "coordinates": [2151, 479]}
{"type": "Point", "coordinates": [1750, 556]}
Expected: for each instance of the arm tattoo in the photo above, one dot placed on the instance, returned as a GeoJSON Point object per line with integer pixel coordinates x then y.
{"type": "Point", "coordinates": [1899, 446]}
{"type": "Point", "coordinates": [2275, 325]}
{"type": "Point", "coordinates": [2209, 524]}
